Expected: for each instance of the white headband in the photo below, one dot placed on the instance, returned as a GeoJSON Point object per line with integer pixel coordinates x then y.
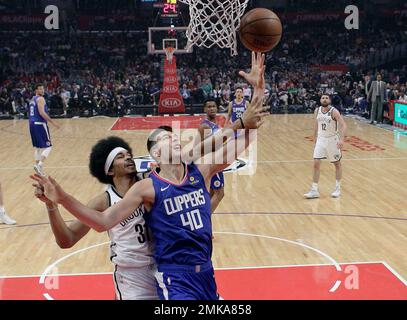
{"type": "Point", "coordinates": [111, 156]}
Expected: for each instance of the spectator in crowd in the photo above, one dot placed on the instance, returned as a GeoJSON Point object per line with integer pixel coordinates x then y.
{"type": "Point", "coordinates": [377, 95]}
{"type": "Point", "coordinates": [97, 68]}
{"type": "Point", "coordinates": [186, 94]}
{"type": "Point", "coordinates": [247, 92]}
{"type": "Point", "coordinates": [217, 94]}
{"type": "Point", "coordinates": [5, 101]}
{"type": "Point", "coordinates": [402, 97]}
{"type": "Point", "coordinates": [207, 88]}
{"type": "Point", "coordinates": [65, 96]}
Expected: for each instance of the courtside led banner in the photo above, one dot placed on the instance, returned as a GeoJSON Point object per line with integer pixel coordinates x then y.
{"type": "Point", "coordinates": [400, 114]}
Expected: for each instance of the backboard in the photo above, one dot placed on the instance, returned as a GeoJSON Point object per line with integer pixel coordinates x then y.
{"type": "Point", "coordinates": [161, 37]}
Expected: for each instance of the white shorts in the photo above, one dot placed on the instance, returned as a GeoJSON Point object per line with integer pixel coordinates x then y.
{"type": "Point", "coordinates": [327, 148]}
{"type": "Point", "coordinates": [135, 283]}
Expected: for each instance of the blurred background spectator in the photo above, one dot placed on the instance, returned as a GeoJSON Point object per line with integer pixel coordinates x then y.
{"type": "Point", "coordinates": [98, 63]}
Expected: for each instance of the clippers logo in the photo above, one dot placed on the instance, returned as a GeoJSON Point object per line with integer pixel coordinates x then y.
{"type": "Point", "coordinates": [171, 71]}
{"type": "Point", "coordinates": [170, 89]}
{"type": "Point", "coordinates": [171, 103]}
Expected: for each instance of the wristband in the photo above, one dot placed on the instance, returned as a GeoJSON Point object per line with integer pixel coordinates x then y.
{"type": "Point", "coordinates": [52, 209]}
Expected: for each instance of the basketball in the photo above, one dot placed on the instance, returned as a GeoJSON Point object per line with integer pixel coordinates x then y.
{"type": "Point", "coordinates": [260, 30]}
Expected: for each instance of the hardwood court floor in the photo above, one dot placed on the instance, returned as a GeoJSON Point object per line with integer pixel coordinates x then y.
{"type": "Point", "coordinates": [368, 223]}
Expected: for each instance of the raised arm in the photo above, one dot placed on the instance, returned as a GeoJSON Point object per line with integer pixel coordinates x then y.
{"type": "Point", "coordinates": [140, 192]}
{"type": "Point", "coordinates": [229, 113]}
{"type": "Point", "coordinates": [67, 235]}
{"type": "Point", "coordinates": [231, 150]}
{"type": "Point", "coordinates": [252, 118]}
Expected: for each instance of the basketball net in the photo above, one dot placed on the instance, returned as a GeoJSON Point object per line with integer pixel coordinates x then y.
{"type": "Point", "coordinates": [215, 22]}
{"type": "Point", "coordinates": [169, 52]}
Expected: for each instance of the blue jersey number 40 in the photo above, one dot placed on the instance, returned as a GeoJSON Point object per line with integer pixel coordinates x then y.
{"type": "Point", "coordinates": [193, 220]}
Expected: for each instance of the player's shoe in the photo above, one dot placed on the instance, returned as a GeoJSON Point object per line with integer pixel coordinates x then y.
{"type": "Point", "coordinates": [312, 194]}
{"type": "Point", "coordinates": [4, 218]}
{"type": "Point", "coordinates": [336, 193]}
{"type": "Point", "coordinates": [38, 170]}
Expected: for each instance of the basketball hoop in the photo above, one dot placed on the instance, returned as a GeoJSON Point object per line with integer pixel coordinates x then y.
{"type": "Point", "coordinates": [215, 22]}
{"type": "Point", "coordinates": [169, 52]}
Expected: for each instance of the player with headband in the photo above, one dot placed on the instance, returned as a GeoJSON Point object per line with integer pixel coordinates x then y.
{"type": "Point", "coordinates": [131, 248]}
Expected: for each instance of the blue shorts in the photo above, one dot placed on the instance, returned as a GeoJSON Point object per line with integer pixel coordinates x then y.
{"type": "Point", "coordinates": [186, 283]}
{"type": "Point", "coordinates": [218, 181]}
{"type": "Point", "coordinates": [40, 136]}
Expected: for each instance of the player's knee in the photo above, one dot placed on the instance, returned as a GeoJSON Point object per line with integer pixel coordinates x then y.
{"type": "Point", "coordinates": [317, 164]}
{"type": "Point", "coordinates": [37, 154]}
{"type": "Point", "coordinates": [46, 152]}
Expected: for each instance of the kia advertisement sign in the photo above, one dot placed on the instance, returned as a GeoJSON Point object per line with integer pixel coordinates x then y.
{"type": "Point", "coordinates": [170, 89]}
{"type": "Point", "coordinates": [170, 98]}
{"type": "Point", "coordinates": [171, 79]}
{"type": "Point", "coordinates": [172, 103]}
{"type": "Point", "coordinates": [171, 71]}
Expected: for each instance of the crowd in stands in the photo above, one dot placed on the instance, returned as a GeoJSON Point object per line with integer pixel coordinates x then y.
{"type": "Point", "coordinates": [112, 74]}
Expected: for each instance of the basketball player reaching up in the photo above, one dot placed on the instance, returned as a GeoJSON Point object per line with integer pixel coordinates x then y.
{"type": "Point", "coordinates": [207, 128]}
{"type": "Point", "coordinates": [177, 200]}
{"type": "Point", "coordinates": [328, 144]}
{"type": "Point", "coordinates": [4, 218]}
{"type": "Point", "coordinates": [131, 249]}
{"type": "Point", "coordinates": [40, 136]}
{"type": "Point", "coordinates": [237, 106]}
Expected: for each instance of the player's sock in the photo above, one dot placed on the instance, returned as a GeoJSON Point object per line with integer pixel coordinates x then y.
{"type": "Point", "coordinates": [40, 163]}
{"type": "Point", "coordinates": [338, 184]}
{"type": "Point", "coordinates": [314, 186]}
{"type": "Point", "coordinates": [2, 210]}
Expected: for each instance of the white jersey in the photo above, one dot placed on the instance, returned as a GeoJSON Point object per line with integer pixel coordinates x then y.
{"type": "Point", "coordinates": [327, 125]}
{"type": "Point", "coordinates": [131, 242]}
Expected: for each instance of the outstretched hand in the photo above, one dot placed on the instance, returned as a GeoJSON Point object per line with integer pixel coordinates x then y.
{"type": "Point", "coordinates": [254, 115]}
{"type": "Point", "coordinates": [256, 75]}
{"type": "Point", "coordinates": [39, 193]}
{"type": "Point", "coordinates": [51, 189]}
